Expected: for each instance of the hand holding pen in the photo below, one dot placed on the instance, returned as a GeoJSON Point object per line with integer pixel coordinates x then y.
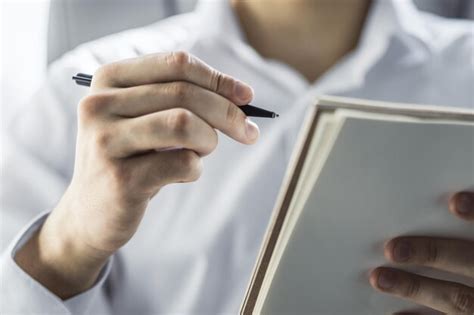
{"type": "Point", "coordinates": [136, 110]}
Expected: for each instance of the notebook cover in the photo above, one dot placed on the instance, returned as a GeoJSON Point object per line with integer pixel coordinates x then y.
{"type": "Point", "coordinates": [326, 104]}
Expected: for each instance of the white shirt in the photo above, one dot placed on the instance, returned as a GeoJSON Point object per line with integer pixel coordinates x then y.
{"type": "Point", "coordinates": [197, 244]}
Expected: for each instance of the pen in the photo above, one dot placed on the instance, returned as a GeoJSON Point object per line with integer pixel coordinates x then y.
{"type": "Point", "coordinates": [249, 110]}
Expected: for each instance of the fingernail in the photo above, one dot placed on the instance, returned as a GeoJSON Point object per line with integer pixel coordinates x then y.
{"type": "Point", "coordinates": [464, 203]}
{"type": "Point", "coordinates": [243, 91]}
{"type": "Point", "coordinates": [401, 251]}
{"type": "Point", "coordinates": [251, 130]}
{"type": "Point", "coordinates": [386, 280]}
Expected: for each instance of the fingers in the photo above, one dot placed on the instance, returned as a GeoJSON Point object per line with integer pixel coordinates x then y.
{"type": "Point", "coordinates": [162, 168]}
{"type": "Point", "coordinates": [183, 81]}
{"type": "Point", "coordinates": [448, 297]}
{"type": "Point", "coordinates": [216, 110]}
{"type": "Point", "coordinates": [170, 128]}
{"type": "Point", "coordinates": [453, 255]}
{"type": "Point", "coordinates": [462, 205]}
{"type": "Point", "coordinates": [169, 67]}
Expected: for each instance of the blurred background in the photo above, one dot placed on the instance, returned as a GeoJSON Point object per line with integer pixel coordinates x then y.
{"type": "Point", "coordinates": [34, 33]}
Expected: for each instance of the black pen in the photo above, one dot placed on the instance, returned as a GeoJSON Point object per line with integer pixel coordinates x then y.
{"type": "Point", "coordinates": [249, 110]}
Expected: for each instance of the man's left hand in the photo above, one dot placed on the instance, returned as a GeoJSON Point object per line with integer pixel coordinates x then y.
{"type": "Point", "coordinates": [452, 255]}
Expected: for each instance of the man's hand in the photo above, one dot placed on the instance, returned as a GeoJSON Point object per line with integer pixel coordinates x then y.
{"type": "Point", "coordinates": [137, 110]}
{"type": "Point", "coordinates": [452, 255]}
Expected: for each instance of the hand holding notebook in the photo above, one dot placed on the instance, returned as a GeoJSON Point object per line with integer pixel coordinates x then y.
{"type": "Point", "coordinates": [364, 173]}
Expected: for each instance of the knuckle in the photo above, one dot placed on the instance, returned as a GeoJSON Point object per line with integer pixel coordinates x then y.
{"type": "Point", "coordinates": [214, 141]}
{"type": "Point", "coordinates": [412, 288]}
{"type": "Point", "coordinates": [191, 165]}
{"type": "Point", "coordinates": [462, 300]}
{"type": "Point", "coordinates": [105, 72]}
{"type": "Point", "coordinates": [93, 104]}
{"type": "Point", "coordinates": [179, 60]}
{"type": "Point", "coordinates": [180, 122]}
{"type": "Point", "coordinates": [182, 57]}
{"type": "Point", "coordinates": [187, 159]}
{"type": "Point", "coordinates": [181, 91]}
{"type": "Point", "coordinates": [211, 144]}
{"type": "Point", "coordinates": [217, 79]}
{"type": "Point", "coordinates": [102, 140]}
{"type": "Point", "coordinates": [233, 114]}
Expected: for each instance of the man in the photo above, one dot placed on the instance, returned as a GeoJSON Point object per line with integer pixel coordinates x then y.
{"type": "Point", "coordinates": [151, 121]}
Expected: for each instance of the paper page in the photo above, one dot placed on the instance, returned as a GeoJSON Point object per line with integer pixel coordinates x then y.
{"type": "Point", "coordinates": [381, 180]}
{"type": "Point", "coordinates": [323, 141]}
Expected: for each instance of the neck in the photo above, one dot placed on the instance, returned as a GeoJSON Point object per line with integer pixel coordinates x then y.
{"type": "Point", "coordinates": [309, 35]}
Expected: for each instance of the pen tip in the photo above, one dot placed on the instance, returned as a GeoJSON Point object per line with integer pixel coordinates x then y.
{"type": "Point", "coordinates": [276, 115]}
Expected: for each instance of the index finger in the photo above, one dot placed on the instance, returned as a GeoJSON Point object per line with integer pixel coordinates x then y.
{"type": "Point", "coordinates": [169, 67]}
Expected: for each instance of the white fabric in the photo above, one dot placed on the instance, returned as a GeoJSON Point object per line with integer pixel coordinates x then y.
{"type": "Point", "coordinates": [197, 244]}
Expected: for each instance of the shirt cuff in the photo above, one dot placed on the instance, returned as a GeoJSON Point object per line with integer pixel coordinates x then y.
{"type": "Point", "coordinates": [21, 294]}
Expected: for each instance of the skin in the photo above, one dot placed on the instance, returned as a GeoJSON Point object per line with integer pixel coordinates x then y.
{"type": "Point", "coordinates": [160, 98]}
{"type": "Point", "coordinates": [323, 30]}
{"type": "Point", "coordinates": [453, 255]}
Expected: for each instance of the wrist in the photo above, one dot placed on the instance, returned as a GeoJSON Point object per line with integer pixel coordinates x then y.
{"type": "Point", "coordinates": [56, 257]}
{"type": "Point", "coordinates": [63, 237]}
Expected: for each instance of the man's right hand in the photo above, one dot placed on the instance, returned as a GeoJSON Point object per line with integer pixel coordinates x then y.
{"type": "Point", "coordinates": [146, 123]}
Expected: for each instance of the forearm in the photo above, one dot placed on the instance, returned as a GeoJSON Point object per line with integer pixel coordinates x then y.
{"type": "Point", "coordinates": [55, 257]}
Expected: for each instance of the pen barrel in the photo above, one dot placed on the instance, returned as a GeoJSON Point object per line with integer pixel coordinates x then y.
{"type": "Point", "coordinates": [249, 110]}
{"type": "Point", "coordinates": [253, 111]}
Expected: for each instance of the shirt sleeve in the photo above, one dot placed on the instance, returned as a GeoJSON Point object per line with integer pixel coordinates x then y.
{"type": "Point", "coordinates": [21, 294]}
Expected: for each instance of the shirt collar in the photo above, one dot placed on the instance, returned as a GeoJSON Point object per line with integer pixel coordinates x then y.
{"type": "Point", "coordinates": [385, 17]}
{"type": "Point", "coordinates": [387, 20]}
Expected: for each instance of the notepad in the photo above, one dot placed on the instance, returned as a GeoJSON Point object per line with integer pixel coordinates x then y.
{"type": "Point", "coordinates": [362, 172]}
